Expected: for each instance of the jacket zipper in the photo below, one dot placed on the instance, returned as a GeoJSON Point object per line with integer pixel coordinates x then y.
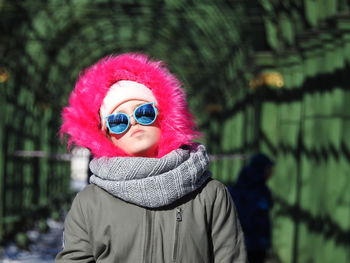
{"type": "Point", "coordinates": [176, 237]}
{"type": "Point", "coordinates": [148, 236]}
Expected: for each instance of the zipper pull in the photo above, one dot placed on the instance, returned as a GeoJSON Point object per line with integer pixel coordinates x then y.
{"type": "Point", "coordinates": [178, 214]}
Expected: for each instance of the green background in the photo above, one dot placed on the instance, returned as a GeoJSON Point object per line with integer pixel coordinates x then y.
{"type": "Point", "coordinates": [218, 49]}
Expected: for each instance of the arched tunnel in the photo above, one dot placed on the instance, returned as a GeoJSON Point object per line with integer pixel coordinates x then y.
{"type": "Point", "coordinates": [260, 76]}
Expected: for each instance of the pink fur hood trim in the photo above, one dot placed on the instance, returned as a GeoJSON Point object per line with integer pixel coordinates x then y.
{"type": "Point", "coordinates": [81, 120]}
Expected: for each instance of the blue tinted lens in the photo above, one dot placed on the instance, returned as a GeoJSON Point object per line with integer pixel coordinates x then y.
{"type": "Point", "coordinates": [118, 123]}
{"type": "Point", "coordinates": [145, 114]}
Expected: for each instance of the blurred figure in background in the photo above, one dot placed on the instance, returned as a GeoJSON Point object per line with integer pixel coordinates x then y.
{"type": "Point", "coordinates": [253, 200]}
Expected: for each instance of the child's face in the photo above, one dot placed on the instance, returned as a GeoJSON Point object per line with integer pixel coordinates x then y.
{"type": "Point", "coordinates": [138, 140]}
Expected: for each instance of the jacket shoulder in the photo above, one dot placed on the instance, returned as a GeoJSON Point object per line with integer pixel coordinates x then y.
{"type": "Point", "coordinates": [92, 195]}
{"type": "Point", "coordinates": [88, 192]}
{"type": "Point", "coordinates": [214, 189]}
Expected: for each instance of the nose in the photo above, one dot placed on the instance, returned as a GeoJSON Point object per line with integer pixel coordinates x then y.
{"type": "Point", "coordinates": [132, 120]}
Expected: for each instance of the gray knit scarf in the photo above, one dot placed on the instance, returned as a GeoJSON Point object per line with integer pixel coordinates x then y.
{"type": "Point", "coordinates": [152, 182]}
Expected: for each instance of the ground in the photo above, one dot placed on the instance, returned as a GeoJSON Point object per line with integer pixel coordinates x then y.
{"type": "Point", "coordinates": [43, 247]}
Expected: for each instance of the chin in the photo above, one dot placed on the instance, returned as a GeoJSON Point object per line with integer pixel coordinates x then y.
{"type": "Point", "coordinates": [146, 151]}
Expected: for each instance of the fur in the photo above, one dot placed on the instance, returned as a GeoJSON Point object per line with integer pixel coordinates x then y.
{"type": "Point", "coordinates": [81, 121]}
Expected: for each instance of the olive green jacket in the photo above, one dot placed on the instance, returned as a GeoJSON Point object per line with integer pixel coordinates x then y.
{"type": "Point", "coordinates": [201, 227]}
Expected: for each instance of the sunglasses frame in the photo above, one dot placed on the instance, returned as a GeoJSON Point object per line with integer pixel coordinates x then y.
{"type": "Point", "coordinates": [133, 114]}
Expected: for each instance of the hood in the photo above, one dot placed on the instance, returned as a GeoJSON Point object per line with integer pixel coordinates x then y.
{"type": "Point", "coordinates": [81, 121]}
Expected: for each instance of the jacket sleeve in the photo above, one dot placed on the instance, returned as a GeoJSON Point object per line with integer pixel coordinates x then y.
{"type": "Point", "coordinates": [227, 234]}
{"type": "Point", "coordinates": [76, 243]}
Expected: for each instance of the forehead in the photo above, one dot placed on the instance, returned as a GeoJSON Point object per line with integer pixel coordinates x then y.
{"type": "Point", "coordinates": [129, 106]}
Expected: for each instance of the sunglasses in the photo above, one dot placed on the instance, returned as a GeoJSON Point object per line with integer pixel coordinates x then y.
{"type": "Point", "coordinates": [145, 114]}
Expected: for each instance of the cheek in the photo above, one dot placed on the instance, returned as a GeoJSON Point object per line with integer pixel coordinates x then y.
{"type": "Point", "coordinates": [121, 142]}
{"type": "Point", "coordinates": [154, 134]}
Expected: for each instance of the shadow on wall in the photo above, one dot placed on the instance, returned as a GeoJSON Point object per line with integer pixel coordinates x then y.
{"type": "Point", "coordinates": [317, 154]}
{"type": "Point", "coordinates": [323, 225]}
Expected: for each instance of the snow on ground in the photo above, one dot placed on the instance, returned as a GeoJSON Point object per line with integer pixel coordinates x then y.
{"type": "Point", "coordinates": [43, 247]}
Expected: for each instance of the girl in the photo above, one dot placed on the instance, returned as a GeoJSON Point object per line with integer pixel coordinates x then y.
{"type": "Point", "coordinates": [151, 198]}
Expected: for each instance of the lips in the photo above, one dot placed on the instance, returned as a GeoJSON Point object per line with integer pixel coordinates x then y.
{"type": "Point", "coordinates": [137, 132]}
